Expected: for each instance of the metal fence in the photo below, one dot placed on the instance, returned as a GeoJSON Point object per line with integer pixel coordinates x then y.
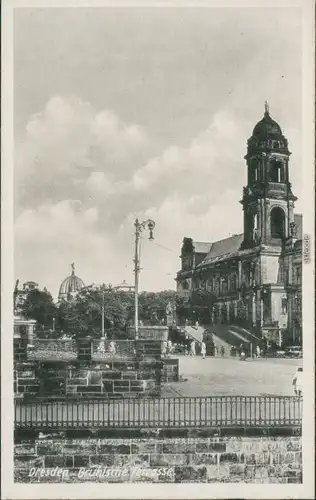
{"type": "Point", "coordinates": [160, 413]}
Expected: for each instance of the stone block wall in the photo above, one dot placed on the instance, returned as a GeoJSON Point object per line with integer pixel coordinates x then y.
{"type": "Point", "coordinates": [170, 370]}
{"type": "Point", "coordinates": [25, 379]}
{"type": "Point", "coordinates": [150, 332]}
{"type": "Point", "coordinates": [91, 376]}
{"type": "Point", "coordinates": [120, 379]}
{"type": "Point", "coordinates": [102, 379]}
{"type": "Point", "coordinates": [20, 350]}
{"type": "Point", "coordinates": [202, 460]}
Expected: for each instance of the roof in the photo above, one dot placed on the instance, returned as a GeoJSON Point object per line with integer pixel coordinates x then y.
{"type": "Point", "coordinates": [123, 285]}
{"type": "Point", "coordinates": [202, 246]}
{"type": "Point", "coordinates": [298, 219]}
{"type": "Point", "coordinates": [71, 284]}
{"type": "Point", "coordinates": [225, 246]}
{"type": "Point", "coordinates": [267, 127]}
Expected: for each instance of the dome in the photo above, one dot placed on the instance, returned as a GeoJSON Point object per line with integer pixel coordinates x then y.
{"type": "Point", "coordinates": [267, 127]}
{"type": "Point", "coordinates": [267, 136]}
{"type": "Point", "coordinates": [71, 285]}
{"type": "Point", "coordinates": [124, 286]}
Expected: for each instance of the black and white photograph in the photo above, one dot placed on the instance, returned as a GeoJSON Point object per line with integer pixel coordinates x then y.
{"type": "Point", "coordinates": [158, 282]}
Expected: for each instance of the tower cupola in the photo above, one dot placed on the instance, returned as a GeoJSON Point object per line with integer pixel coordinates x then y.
{"type": "Point", "coordinates": [268, 200]}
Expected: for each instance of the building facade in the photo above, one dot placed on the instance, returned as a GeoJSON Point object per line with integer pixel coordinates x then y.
{"type": "Point", "coordinates": [254, 278]}
{"type": "Point", "coordinates": [21, 292]}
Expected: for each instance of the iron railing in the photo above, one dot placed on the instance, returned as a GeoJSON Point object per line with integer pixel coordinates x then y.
{"type": "Point", "coordinates": [160, 413]}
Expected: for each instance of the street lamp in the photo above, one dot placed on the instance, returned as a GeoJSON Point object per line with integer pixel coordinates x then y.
{"type": "Point", "coordinates": [139, 227]}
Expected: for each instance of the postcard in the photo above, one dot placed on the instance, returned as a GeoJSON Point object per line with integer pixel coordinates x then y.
{"type": "Point", "coordinates": [158, 249]}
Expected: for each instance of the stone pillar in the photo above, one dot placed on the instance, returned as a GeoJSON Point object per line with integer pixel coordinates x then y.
{"type": "Point", "coordinates": [261, 310]}
{"type": "Point", "coordinates": [254, 312]}
{"type": "Point", "coordinates": [267, 229]}
{"type": "Point", "coordinates": [239, 273]}
{"type": "Point", "coordinates": [30, 333]}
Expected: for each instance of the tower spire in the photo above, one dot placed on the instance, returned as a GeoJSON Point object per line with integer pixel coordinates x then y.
{"type": "Point", "coordinates": [266, 108]}
{"type": "Point", "coordinates": [72, 268]}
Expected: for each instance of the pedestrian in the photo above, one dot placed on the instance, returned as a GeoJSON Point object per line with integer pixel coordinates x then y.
{"type": "Point", "coordinates": [203, 350]}
{"type": "Point", "coordinates": [222, 351]}
{"type": "Point", "coordinates": [258, 351]}
{"type": "Point", "coordinates": [164, 348]}
{"type": "Point", "coordinates": [242, 356]}
{"type": "Point", "coordinates": [216, 349]}
{"type": "Point", "coordinates": [192, 352]}
{"type": "Point", "coordinates": [298, 382]}
{"type": "Point", "coordinates": [169, 347]}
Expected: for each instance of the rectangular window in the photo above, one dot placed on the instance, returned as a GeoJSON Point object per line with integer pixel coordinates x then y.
{"type": "Point", "coordinates": [233, 283]}
{"type": "Point", "coordinates": [298, 277]}
{"type": "Point", "coordinates": [217, 285]}
{"type": "Point", "coordinates": [284, 306]}
{"type": "Point", "coordinates": [224, 284]}
{"type": "Point", "coordinates": [209, 285]}
{"type": "Point", "coordinates": [203, 285]}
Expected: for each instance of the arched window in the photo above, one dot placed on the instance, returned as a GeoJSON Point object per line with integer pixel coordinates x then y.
{"type": "Point", "coordinates": [256, 174]}
{"type": "Point", "coordinates": [277, 223]}
{"type": "Point", "coordinates": [276, 172]}
{"type": "Point", "coordinates": [185, 285]}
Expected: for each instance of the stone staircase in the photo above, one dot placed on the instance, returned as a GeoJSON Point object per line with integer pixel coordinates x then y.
{"type": "Point", "coordinates": [230, 336]}
{"type": "Point", "coordinates": [194, 332]}
{"type": "Point", "coordinates": [226, 336]}
{"type": "Point", "coordinates": [247, 334]}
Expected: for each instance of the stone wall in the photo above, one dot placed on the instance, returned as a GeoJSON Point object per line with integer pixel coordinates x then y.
{"type": "Point", "coordinates": [205, 460]}
{"type": "Point", "coordinates": [90, 375]}
{"type": "Point", "coordinates": [104, 378]}
{"type": "Point", "coordinates": [150, 332]}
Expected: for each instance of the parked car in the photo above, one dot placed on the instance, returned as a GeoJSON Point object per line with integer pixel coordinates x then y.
{"type": "Point", "coordinates": [294, 352]}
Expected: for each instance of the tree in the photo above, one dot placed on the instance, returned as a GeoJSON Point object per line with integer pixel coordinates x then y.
{"type": "Point", "coordinates": [39, 305]}
{"type": "Point", "coordinates": [153, 306]}
{"type": "Point", "coordinates": [201, 303]}
{"type": "Point", "coordinates": [83, 314]}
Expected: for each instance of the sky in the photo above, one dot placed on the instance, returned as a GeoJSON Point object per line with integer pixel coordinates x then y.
{"type": "Point", "coordinates": [141, 112]}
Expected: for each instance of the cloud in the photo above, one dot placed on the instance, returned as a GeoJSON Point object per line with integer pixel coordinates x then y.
{"type": "Point", "coordinates": [82, 177]}
{"type": "Point", "coordinates": [66, 143]}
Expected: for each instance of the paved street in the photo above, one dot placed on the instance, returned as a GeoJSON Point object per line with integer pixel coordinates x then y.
{"type": "Point", "coordinates": [229, 376]}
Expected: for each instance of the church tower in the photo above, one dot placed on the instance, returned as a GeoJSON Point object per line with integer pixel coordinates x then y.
{"type": "Point", "coordinates": [268, 201]}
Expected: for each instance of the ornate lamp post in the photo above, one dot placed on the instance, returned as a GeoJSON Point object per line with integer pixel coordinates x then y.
{"type": "Point", "coordinates": [139, 227]}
